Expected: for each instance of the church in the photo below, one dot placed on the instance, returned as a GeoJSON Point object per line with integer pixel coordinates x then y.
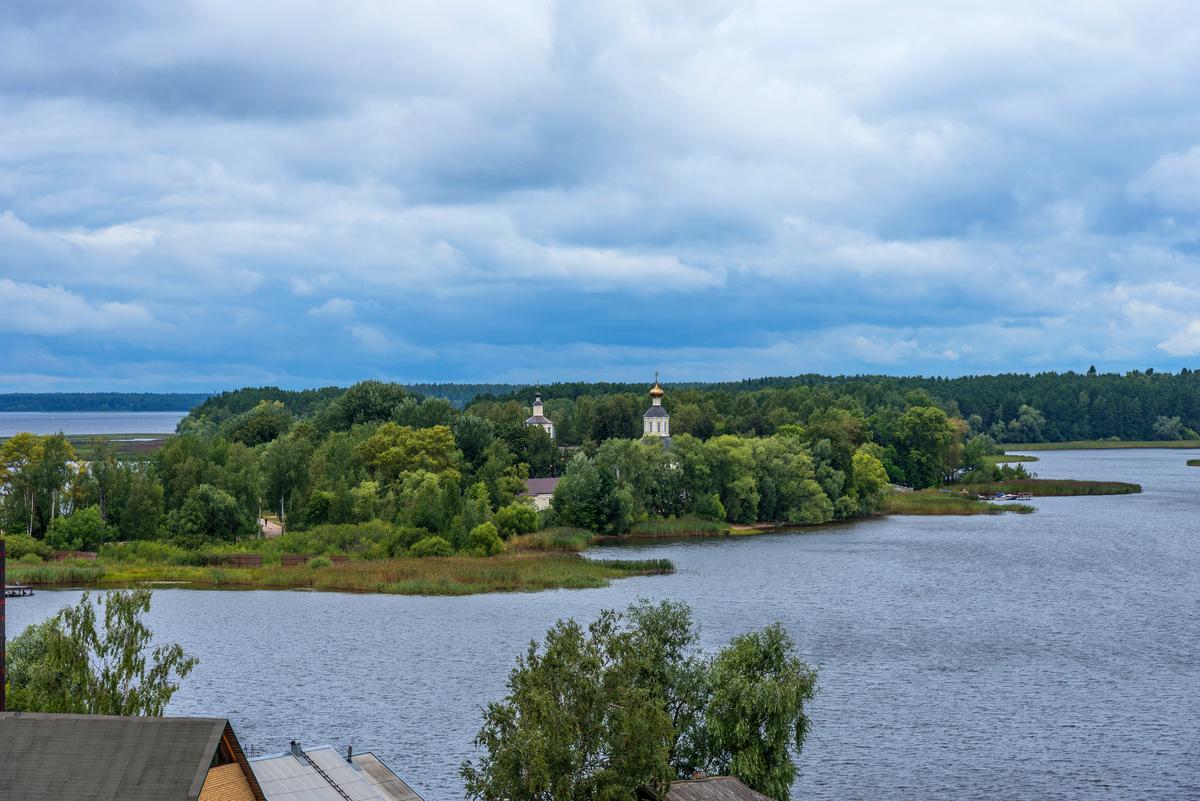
{"type": "Point", "coordinates": [656, 422]}
{"type": "Point", "coordinates": [539, 417]}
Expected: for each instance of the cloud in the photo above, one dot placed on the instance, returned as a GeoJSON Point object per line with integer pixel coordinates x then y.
{"type": "Point", "coordinates": [350, 192]}
{"type": "Point", "coordinates": [1185, 342]}
{"type": "Point", "coordinates": [54, 311]}
{"type": "Point", "coordinates": [334, 307]}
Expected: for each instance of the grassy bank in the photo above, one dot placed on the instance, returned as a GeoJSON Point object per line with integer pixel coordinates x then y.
{"type": "Point", "coordinates": [932, 502]}
{"type": "Point", "coordinates": [1193, 462]}
{"type": "Point", "coordinates": [677, 527]}
{"type": "Point", "coordinates": [454, 575]}
{"type": "Point", "coordinates": [1101, 444]}
{"type": "Point", "coordinates": [1049, 487]}
{"type": "Point", "coordinates": [1009, 458]}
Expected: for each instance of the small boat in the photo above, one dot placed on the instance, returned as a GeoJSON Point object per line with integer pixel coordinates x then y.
{"type": "Point", "coordinates": [1004, 496]}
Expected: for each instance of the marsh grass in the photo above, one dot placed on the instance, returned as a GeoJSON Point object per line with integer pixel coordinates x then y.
{"type": "Point", "coordinates": [1193, 463]}
{"type": "Point", "coordinates": [678, 527]}
{"type": "Point", "coordinates": [454, 575]}
{"type": "Point", "coordinates": [1009, 458]}
{"type": "Point", "coordinates": [932, 502]}
{"type": "Point", "coordinates": [1047, 487]}
{"type": "Point", "coordinates": [560, 538]}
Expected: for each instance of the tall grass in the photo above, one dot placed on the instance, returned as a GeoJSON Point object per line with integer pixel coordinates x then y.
{"type": "Point", "coordinates": [454, 575]}
{"type": "Point", "coordinates": [678, 527]}
{"type": "Point", "coordinates": [1046, 487]}
{"type": "Point", "coordinates": [931, 502]}
{"type": "Point", "coordinates": [559, 538]}
{"type": "Point", "coordinates": [1193, 462]}
{"type": "Point", "coordinates": [1009, 458]}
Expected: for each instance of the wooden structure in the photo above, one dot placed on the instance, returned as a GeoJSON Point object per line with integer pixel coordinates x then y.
{"type": "Point", "coordinates": [78, 757]}
{"type": "Point", "coordinates": [17, 591]}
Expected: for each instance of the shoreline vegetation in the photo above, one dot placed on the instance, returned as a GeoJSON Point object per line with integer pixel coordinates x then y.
{"type": "Point", "coordinates": [1193, 463]}
{"type": "Point", "coordinates": [1102, 444]}
{"type": "Point", "coordinates": [1008, 458]}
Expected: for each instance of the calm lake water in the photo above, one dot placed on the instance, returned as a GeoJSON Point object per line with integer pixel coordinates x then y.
{"type": "Point", "coordinates": [1046, 656]}
{"type": "Point", "coordinates": [89, 422]}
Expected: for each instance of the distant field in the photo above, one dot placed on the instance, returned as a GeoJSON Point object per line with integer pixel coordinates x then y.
{"type": "Point", "coordinates": [1100, 444]}
{"type": "Point", "coordinates": [128, 446]}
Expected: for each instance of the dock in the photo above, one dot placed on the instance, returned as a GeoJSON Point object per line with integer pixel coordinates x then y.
{"type": "Point", "coordinates": [17, 590]}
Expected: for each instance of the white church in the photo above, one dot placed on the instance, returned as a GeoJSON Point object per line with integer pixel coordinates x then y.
{"type": "Point", "coordinates": [539, 417]}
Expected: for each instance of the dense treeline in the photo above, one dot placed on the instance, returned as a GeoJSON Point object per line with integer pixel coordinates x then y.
{"type": "Point", "coordinates": [99, 401]}
{"type": "Point", "coordinates": [447, 479]}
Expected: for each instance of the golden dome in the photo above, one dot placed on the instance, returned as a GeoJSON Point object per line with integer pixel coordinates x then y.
{"type": "Point", "coordinates": [656, 391]}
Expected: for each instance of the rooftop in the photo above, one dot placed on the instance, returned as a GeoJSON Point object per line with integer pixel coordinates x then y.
{"type": "Point", "coordinates": [323, 774]}
{"type": "Point", "coordinates": [708, 788]}
{"type": "Point", "coordinates": [540, 486]}
{"type": "Point", "coordinates": [49, 757]}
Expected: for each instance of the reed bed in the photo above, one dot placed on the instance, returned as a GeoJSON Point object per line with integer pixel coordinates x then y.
{"type": "Point", "coordinates": [678, 527]}
{"type": "Point", "coordinates": [931, 502]}
{"type": "Point", "coordinates": [1009, 458]}
{"type": "Point", "coordinates": [1193, 463]}
{"type": "Point", "coordinates": [560, 538]}
{"type": "Point", "coordinates": [1047, 487]}
{"type": "Point", "coordinates": [454, 575]}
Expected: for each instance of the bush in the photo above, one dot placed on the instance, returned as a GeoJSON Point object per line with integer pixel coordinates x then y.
{"type": "Point", "coordinates": [148, 551]}
{"type": "Point", "coordinates": [83, 530]}
{"type": "Point", "coordinates": [516, 519]}
{"type": "Point", "coordinates": [318, 562]}
{"type": "Point", "coordinates": [17, 545]}
{"type": "Point", "coordinates": [431, 546]}
{"type": "Point", "coordinates": [484, 541]}
{"type": "Point", "coordinates": [30, 559]}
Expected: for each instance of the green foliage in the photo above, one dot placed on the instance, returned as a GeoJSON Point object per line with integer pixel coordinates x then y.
{"type": "Point", "coordinates": [516, 519]}
{"type": "Point", "coordinates": [484, 540]}
{"type": "Point", "coordinates": [318, 562]}
{"type": "Point", "coordinates": [630, 701]}
{"type": "Point", "coordinates": [85, 530]}
{"type": "Point", "coordinates": [266, 422]}
{"type": "Point", "coordinates": [82, 662]}
{"type": "Point", "coordinates": [431, 546]}
{"type": "Point", "coordinates": [755, 716]}
{"type": "Point", "coordinates": [18, 545]}
{"type": "Point", "coordinates": [30, 559]}
{"type": "Point", "coordinates": [208, 513]}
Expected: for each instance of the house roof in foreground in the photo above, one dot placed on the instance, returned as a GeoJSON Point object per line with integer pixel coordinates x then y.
{"type": "Point", "coordinates": [287, 777]}
{"type": "Point", "coordinates": [708, 788]}
{"type": "Point", "coordinates": [50, 757]}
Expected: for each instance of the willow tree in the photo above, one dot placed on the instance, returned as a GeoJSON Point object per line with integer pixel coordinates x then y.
{"type": "Point", "coordinates": [86, 660]}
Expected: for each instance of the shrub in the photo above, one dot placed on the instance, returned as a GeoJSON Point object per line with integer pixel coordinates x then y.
{"type": "Point", "coordinates": [17, 545]}
{"type": "Point", "coordinates": [149, 551]}
{"type": "Point", "coordinates": [318, 562]}
{"type": "Point", "coordinates": [484, 540]}
{"type": "Point", "coordinates": [85, 529]}
{"type": "Point", "coordinates": [431, 546]}
{"type": "Point", "coordinates": [30, 559]}
{"type": "Point", "coordinates": [516, 519]}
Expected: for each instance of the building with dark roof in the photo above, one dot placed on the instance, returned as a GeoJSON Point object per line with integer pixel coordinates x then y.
{"type": "Point", "coordinates": [540, 491]}
{"type": "Point", "coordinates": [45, 757]}
{"type": "Point", "coordinates": [705, 788]}
{"type": "Point", "coordinates": [539, 417]}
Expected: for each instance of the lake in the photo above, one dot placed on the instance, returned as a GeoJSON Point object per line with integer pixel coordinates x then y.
{"type": "Point", "coordinates": [1046, 656]}
{"type": "Point", "coordinates": [89, 422]}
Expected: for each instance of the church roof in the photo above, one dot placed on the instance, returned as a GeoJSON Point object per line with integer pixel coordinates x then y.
{"type": "Point", "coordinates": [656, 411]}
{"type": "Point", "coordinates": [538, 420]}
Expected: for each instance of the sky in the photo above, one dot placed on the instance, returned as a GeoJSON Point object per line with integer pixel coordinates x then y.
{"type": "Point", "coordinates": [201, 195]}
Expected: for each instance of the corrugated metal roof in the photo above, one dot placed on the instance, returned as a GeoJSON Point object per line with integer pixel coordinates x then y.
{"type": "Point", "coordinates": [67, 757]}
{"type": "Point", "coordinates": [713, 788]}
{"type": "Point", "coordinates": [287, 777]}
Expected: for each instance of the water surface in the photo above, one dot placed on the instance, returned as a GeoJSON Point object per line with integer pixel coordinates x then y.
{"type": "Point", "coordinates": [89, 422]}
{"type": "Point", "coordinates": [1045, 656]}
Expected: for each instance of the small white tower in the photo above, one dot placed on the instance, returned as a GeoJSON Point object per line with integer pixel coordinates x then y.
{"type": "Point", "coordinates": [656, 422]}
{"type": "Point", "coordinates": [539, 418]}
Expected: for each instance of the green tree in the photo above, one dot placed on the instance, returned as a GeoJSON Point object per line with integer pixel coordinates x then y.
{"type": "Point", "coordinates": [870, 481]}
{"type": "Point", "coordinates": [208, 513]}
{"type": "Point", "coordinates": [484, 540]}
{"type": "Point", "coordinates": [516, 519]}
{"type": "Point", "coordinates": [85, 663]}
{"type": "Point", "coordinates": [631, 702]}
{"type": "Point", "coordinates": [285, 473]}
{"type": "Point", "coordinates": [755, 717]}
{"type": "Point", "coordinates": [83, 530]}
{"type": "Point", "coordinates": [926, 442]}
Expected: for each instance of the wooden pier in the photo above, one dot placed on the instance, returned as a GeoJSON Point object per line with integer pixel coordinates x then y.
{"type": "Point", "coordinates": [17, 590]}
